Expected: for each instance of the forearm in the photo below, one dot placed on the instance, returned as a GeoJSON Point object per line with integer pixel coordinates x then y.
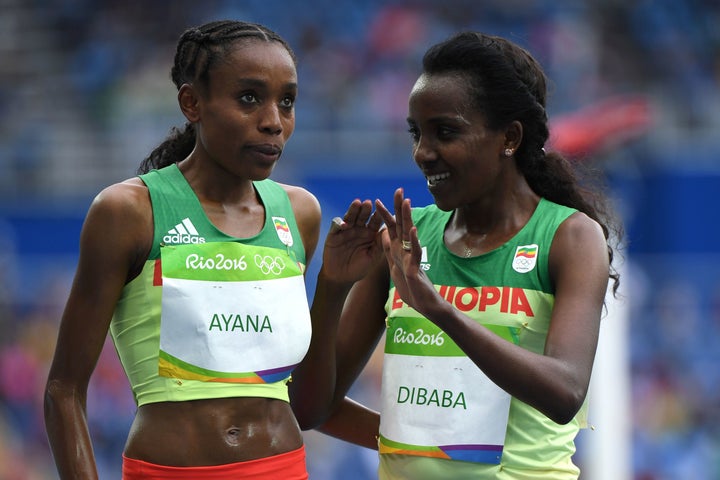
{"type": "Point", "coordinates": [68, 436]}
{"type": "Point", "coordinates": [551, 385]}
{"type": "Point", "coordinates": [353, 423]}
{"type": "Point", "coordinates": [313, 387]}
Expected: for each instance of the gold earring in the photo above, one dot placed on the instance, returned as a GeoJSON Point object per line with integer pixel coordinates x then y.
{"type": "Point", "coordinates": [508, 152]}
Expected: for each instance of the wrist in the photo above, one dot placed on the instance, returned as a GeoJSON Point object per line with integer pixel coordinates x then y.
{"type": "Point", "coordinates": [437, 312]}
{"type": "Point", "coordinates": [331, 284]}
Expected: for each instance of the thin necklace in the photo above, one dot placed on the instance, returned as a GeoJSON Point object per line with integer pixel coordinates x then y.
{"type": "Point", "coordinates": [468, 251]}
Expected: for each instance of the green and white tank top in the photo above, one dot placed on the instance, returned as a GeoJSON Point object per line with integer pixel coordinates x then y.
{"type": "Point", "coordinates": [441, 416]}
{"type": "Point", "coordinates": [210, 315]}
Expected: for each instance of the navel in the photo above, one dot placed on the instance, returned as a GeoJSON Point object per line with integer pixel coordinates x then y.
{"type": "Point", "coordinates": [232, 436]}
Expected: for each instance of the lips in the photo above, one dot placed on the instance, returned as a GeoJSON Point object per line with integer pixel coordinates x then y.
{"type": "Point", "coordinates": [266, 149]}
{"type": "Point", "coordinates": [433, 180]}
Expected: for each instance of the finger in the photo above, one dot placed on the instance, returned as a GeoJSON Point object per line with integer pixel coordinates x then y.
{"type": "Point", "coordinates": [336, 224]}
{"type": "Point", "coordinates": [385, 241]}
{"type": "Point", "coordinates": [364, 213]}
{"type": "Point", "coordinates": [414, 240]}
{"type": "Point", "coordinates": [391, 257]}
{"type": "Point", "coordinates": [406, 214]}
{"type": "Point", "coordinates": [387, 217]}
{"type": "Point", "coordinates": [352, 212]}
{"type": "Point", "coordinates": [397, 205]}
{"type": "Point", "coordinates": [375, 221]}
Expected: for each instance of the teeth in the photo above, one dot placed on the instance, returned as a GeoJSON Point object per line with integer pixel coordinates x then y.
{"type": "Point", "coordinates": [434, 179]}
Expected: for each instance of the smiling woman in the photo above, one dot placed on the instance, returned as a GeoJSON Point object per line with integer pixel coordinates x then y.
{"type": "Point", "coordinates": [489, 299]}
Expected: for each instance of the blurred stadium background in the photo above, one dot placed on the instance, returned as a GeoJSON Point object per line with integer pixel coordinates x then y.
{"type": "Point", "coordinates": [85, 94]}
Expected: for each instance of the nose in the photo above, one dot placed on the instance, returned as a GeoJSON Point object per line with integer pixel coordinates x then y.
{"type": "Point", "coordinates": [270, 119]}
{"type": "Point", "coordinates": [423, 151]}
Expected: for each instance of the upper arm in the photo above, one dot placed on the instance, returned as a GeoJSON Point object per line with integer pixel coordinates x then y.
{"type": "Point", "coordinates": [307, 215]}
{"type": "Point", "coordinates": [579, 268]}
{"type": "Point", "coordinates": [116, 235]}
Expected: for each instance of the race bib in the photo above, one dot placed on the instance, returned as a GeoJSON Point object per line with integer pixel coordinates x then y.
{"type": "Point", "coordinates": [232, 313]}
{"type": "Point", "coordinates": [435, 401]}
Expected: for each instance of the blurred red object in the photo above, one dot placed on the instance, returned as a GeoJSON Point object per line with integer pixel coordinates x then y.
{"type": "Point", "coordinates": [396, 30]}
{"type": "Point", "coordinates": [601, 126]}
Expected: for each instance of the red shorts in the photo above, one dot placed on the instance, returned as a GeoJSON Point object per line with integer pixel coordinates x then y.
{"type": "Point", "coordinates": [288, 466]}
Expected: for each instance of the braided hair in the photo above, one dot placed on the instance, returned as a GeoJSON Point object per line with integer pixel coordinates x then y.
{"type": "Point", "coordinates": [199, 49]}
{"type": "Point", "coordinates": [508, 84]}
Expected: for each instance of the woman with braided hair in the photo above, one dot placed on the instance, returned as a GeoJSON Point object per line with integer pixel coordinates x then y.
{"type": "Point", "coordinates": [490, 299]}
{"type": "Point", "coordinates": [196, 268]}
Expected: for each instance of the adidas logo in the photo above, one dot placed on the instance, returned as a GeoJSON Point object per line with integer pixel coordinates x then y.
{"type": "Point", "coordinates": [424, 264]}
{"type": "Point", "coordinates": [184, 232]}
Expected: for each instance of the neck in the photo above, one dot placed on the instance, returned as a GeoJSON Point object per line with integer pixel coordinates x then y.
{"type": "Point", "coordinates": [215, 185]}
{"type": "Point", "coordinates": [474, 229]}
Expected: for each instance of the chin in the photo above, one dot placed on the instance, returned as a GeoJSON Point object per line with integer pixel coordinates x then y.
{"type": "Point", "coordinates": [262, 174]}
{"type": "Point", "coordinates": [443, 204]}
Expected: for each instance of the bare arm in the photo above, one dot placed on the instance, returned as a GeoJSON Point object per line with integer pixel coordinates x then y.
{"type": "Point", "coordinates": [361, 326]}
{"type": "Point", "coordinates": [116, 233]}
{"type": "Point", "coordinates": [354, 423]}
{"type": "Point", "coordinates": [556, 382]}
{"type": "Point", "coordinates": [351, 248]}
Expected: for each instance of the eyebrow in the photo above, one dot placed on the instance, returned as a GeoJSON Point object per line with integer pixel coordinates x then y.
{"type": "Point", "coordinates": [442, 118]}
{"type": "Point", "coordinates": [254, 82]}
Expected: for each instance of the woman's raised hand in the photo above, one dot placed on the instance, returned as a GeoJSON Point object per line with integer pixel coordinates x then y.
{"type": "Point", "coordinates": [403, 253]}
{"type": "Point", "coordinates": [352, 245]}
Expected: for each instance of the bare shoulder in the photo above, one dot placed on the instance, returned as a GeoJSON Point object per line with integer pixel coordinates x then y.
{"type": "Point", "coordinates": [308, 215]}
{"type": "Point", "coordinates": [129, 198]}
{"type": "Point", "coordinates": [580, 244]}
{"type": "Point", "coordinates": [122, 212]}
{"type": "Point", "coordinates": [305, 205]}
{"type": "Point", "coordinates": [578, 228]}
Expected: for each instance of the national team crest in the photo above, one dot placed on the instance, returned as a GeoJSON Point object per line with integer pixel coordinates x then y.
{"type": "Point", "coordinates": [525, 258]}
{"type": "Point", "coordinates": [283, 230]}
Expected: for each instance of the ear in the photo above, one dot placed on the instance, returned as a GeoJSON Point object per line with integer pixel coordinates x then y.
{"type": "Point", "coordinates": [189, 100]}
{"type": "Point", "coordinates": [513, 136]}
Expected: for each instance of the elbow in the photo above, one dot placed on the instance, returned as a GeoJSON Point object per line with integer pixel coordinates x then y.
{"type": "Point", "coordinates": [562, 418]}
{"type": "Point", "coordinates": [309, 413]}
{"type": "Point", "coordinates": [61, 397]}
{"type": "Point", "coordinates": [310, 420]}
{"type": "Point", "coordinates": [51, 400]}
{"type": "Point", "coordinates": [564, 409]}
{"type": "Point", "coordinates": [311, 425]}
{"type": "Point", "coordinates": [51, 397]}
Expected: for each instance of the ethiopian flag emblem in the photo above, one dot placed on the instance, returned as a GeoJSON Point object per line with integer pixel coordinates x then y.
{"type": "Point", "coordinates": [283, 230]}
{"type": "Point", "coordinates": [525, 258]}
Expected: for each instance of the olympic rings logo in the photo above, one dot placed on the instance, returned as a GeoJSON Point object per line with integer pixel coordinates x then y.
{"type": "Point", "coordinates": [523, 262]}
{"type": "Point", "coordinates": [268, 264]}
